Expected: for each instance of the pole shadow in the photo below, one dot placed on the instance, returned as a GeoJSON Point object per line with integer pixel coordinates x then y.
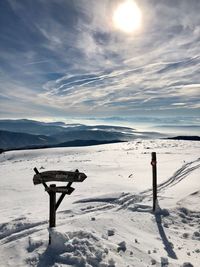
{"type": "Point", "coordinates": [167, 245]}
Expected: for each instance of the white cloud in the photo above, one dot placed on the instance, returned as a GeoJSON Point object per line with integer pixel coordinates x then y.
{"type": "Point", "coordinates": [100, 68]}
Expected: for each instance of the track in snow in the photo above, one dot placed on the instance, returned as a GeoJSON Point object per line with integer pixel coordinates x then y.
{"type": "Point", "coordinates": [18, 228]}
{"type": "Point", "coordinates": [127, 199]}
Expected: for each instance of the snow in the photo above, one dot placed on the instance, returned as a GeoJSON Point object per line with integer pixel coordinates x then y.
{"type": "Point", "coordinates": [108, 219]}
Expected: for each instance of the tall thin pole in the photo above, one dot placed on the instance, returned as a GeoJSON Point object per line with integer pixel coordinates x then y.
{"type": "Point", "coordinates": [52, 209]}
{"type": "Point", "coordinates": [154, 175]}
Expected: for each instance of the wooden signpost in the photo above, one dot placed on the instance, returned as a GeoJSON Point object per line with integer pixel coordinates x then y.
{"type": "Point", "coordinates": [154, 175]}
{"type": "Point", "coordinates": [57, 176]}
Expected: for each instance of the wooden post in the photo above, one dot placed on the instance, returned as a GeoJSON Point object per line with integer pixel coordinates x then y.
{"type": "Point", "coordinates": [57, 176]}
{"type": "Point", "coordinates": [52, 209]}
{"type": "Point", "coordinates": [62, 196]}
{"type": "Point", "coordinates": [154, 175]}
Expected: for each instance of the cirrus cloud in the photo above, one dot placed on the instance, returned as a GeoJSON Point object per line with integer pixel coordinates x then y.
{"type": "Point", "coordinates": [65, 57]}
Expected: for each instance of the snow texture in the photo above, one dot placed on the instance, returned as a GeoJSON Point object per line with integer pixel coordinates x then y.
{"type": "Point", "coordinates": [108, 219]}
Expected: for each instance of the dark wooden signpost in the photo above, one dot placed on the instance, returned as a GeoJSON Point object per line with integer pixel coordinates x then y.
{"type": "Point", "coordinates": [57, 176]}
{"type": "Point", "coordinates": [154, 175]}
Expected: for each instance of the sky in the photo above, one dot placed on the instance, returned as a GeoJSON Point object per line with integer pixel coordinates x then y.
{"type": "Point", "coordinates": [65, 58]}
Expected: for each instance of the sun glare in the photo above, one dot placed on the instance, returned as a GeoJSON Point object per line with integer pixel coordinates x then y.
{"type": "Point", "coordinates": [127, 17]}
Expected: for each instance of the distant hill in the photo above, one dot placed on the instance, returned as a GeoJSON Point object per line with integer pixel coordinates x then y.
{"type": "Point", "coordinates": [189, 138]}
{"type": "Point", "coordinates": [54, 128]}
{"type": "Point", "coordinates": [30, 127]}
{"type": "Point", "coordinates": [75, 143]}
{"type": "Point", "coordinates": [92, 135]}
{"type": "Point", "coordinates": [13, 140]}
{"type": "Point", "coordinates": [17, 134]}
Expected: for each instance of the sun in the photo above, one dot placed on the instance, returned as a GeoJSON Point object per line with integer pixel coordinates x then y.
{"type": "Point", "coordinates": [127, 17]}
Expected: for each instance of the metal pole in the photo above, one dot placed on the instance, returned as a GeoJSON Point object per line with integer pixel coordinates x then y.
{"type": "Point", "coordinates": [52, 209]}
{"type": "Point", "coordinates": [154, 175]}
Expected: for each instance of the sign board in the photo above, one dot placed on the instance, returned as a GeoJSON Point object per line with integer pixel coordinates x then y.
{"type": "Point", "coordinates": [58, 176]}
{"type": "Point", "coordinates": [61, 189]}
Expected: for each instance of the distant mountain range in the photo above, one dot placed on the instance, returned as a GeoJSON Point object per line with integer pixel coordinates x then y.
{"type": "Point", "coordinates": [9, 140]}
{"type": "Point", "coordinates": [16, 134]}
{"type": "Point", "coordinates": [31, 127]}
{"type": "Point", "coordinates": [187, 138]}
{"type": "Point", "coordinates": [24, 134]}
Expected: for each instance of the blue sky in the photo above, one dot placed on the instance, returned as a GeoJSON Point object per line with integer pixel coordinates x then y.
{"type": "Point", "coordinates": [62, 58]}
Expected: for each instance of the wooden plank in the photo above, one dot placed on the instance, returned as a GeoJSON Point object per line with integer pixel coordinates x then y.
{"type": "Point", "coordinates": [37, 172]}
{"type": "Point", "coordinates": [61, 189]}
{"type": "Point", "coordinates": [58, 176]}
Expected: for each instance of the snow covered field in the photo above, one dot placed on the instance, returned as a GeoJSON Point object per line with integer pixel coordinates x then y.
{"type": "Point", "coordinates": [108, 219]}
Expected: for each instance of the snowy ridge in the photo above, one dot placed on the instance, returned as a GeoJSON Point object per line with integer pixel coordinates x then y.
{"type": "Point", "coordinates": [108, 220]}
